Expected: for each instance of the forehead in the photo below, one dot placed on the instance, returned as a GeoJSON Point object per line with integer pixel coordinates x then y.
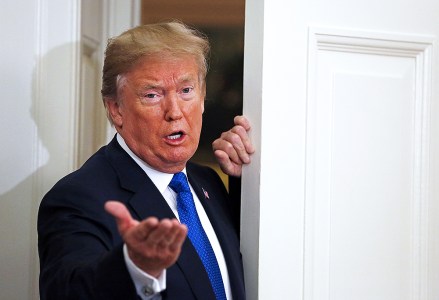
{"type": "Point", "coordinates": [164, 68]}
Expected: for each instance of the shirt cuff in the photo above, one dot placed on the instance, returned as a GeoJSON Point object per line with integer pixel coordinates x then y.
{"type": "Point", "coordinates": [147, 286]}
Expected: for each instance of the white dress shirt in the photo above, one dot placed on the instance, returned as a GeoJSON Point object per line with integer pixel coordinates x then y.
{"type": "Point", "coordinates": [149, 287]}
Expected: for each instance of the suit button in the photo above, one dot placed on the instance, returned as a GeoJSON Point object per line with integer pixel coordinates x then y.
{"type": "Point", "coordinates": [147, 290]}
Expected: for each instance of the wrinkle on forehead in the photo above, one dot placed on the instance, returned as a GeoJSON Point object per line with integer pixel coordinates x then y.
{"type": "Point", "coordinates": [172, 72]}
{"type": "Point", "coordinates": [169, 75]}
{"type": "Point", "coordinates": [172, 80]}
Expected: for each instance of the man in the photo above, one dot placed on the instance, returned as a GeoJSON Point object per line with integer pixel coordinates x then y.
{"type": "Point", "coordinates": [134, 246]}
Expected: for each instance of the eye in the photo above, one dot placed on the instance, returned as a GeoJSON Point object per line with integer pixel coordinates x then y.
{"type": "Point", "coordinates": [151, 96]}
{"type": "Point", "coordinates": [187, 90]}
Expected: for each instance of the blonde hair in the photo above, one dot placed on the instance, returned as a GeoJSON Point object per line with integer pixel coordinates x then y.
{"type": "Point", "coordinates": [174, 38]}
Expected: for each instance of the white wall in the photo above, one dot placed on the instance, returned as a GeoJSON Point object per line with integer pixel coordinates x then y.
{"type": "Point", "coordinates": [18, 163]}
{"type": "Point", "coordinates": [39, 90]}
{"type": "Point", "coordinates": [39, 84]}
{"type": "Point", "coordinates": [40, 87]}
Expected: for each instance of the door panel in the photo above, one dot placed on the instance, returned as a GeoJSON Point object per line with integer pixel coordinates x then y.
{"type": "Point", "coordinates": [367, 166]}
{"type": "Point", "coordinates": [341, 197]}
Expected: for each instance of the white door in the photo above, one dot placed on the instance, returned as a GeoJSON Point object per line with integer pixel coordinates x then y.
{"type": "Point", "coordinates": [100, 20]}
{"type": "Point", "coordinates": [341, 199]}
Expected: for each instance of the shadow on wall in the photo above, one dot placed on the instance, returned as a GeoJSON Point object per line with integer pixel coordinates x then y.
{"type": "Point", "coordinates": [39, 141]}
{"type": "Point", "coordinates": [44, 148]}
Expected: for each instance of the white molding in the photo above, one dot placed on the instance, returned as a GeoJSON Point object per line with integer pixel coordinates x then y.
{"type": "Point", "coordinates": [420, 48]}
{"type": "Point", "coordinates": [421, 197]}
{"type": "Point", "coordinates": [380, 43]}
{"type": "Point", "coordinates": [118, 16]}
{"type": "Point", "coordinates": [54, 37]}
{"type": "Point", "coordinates": [251, 220]}
{"type": "Point", "coordinates": [56, 94]}
{"type": "Point", "coordinates": [90, 46]}
{"type": "Point", "coordinates": [136, 12]}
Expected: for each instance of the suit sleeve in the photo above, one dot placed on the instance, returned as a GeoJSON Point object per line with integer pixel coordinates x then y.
{"type": "Point", "coordinates": [80, 249]}
{"type": "Point", "coordinates": [235, 201]}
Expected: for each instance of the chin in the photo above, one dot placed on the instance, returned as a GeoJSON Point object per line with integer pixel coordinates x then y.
{"type": "Point", "coordinates": [181, 158]}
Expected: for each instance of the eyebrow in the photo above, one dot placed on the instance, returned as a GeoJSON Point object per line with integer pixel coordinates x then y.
{"type": "Point", "coordinates": [159, 84]}
{"type": "Point", "coordinates": [187, 77]}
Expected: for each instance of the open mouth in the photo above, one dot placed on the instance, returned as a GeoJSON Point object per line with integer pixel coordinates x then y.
{"type": "Point", "coordinates": [175, 135]}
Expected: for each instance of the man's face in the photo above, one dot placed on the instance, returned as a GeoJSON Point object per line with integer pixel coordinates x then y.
{"type": "Point", "coordinates": [159, 110]}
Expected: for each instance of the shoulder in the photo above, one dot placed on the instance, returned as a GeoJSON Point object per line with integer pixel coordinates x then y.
{"type": "Point", "coordinates": [203, 173]}
{"type": "Point", "coordinates": [95, 170]}
{"type": "Point", "coordinates": [203, 170]}
{"type": "Point", "coordinates": [103, 171]}
{"type": "Point", "coordinates": [96, 181]}
{"type": "Point", "coordinates": [206, 179]}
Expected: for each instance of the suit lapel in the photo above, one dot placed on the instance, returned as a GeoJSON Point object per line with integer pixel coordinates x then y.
{"type": "Point", "coordinates": [224, 230]}
{"type": "Point", "coordinates": [147, 201]}
{"type": "Point", "coordinates": [213, 211]}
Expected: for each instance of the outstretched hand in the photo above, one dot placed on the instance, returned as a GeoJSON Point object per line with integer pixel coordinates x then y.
{"type": "Point", "coordinates": [152, 245]}
{"type": "Point", "coordinates": [233, 148]}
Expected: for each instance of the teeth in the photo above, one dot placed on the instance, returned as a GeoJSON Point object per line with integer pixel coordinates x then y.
{"type": "Point", "coordinates": [174, 136]}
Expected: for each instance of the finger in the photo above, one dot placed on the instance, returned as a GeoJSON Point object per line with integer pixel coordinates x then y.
{"type": "Point", "coordinates": [160, 234]}
{"type": "Point", "coordinates": [169, 235]}
{"type": "Point", "coordinates": [180, 234]}
{"type": "Point", "coordinates": [242, 121]}
{"type": "Point", "coordinates": [244, 139]}
{"type": "Point", "coordinates": [241, 143]}
{"type": "Point", "coordinates": [166, 231]}
{"type": "Point", "coordinates": [226, 165]}
{"type": "Point", "coordinates": [142, 232]}
{"type": "Point", "coordinates": [122, 216]}
{"type": "Point", "coordinates": [226, 144]}
{"type": "Point", "coordinates": [232, 142]}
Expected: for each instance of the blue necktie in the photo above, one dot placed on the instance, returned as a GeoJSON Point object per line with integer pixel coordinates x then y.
{"type": "Point", "coordinates": [188, 215]}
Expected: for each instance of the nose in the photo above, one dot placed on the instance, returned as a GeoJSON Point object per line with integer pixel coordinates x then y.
{"type": "Point", "coordinates": [172, 108]}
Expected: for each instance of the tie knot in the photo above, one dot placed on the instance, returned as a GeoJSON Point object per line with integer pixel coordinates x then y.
{"type": "Point", "coordinates": [179, 183]}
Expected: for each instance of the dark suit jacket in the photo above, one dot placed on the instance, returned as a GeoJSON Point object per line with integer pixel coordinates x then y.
{"type": "Point", "coordinates": [79, 245]}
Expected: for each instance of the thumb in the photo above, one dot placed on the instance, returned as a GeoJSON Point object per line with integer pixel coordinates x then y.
{"type": "Point", "coordinates": [122, 216]}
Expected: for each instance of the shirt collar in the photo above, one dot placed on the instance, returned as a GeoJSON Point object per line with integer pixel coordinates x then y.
{"type": "Point", "coordinates": [161, 180]}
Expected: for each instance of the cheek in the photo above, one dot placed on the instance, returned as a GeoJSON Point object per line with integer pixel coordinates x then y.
{"type": "Point", "coordinates": [197, 109]}
{"type": "Point", "coordinates": [196, 118]}
{"type": "Point", "coordinates": [141, 126]}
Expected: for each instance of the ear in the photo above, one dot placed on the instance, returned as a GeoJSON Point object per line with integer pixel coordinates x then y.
{"type": "Point", "coordinates": [203, 95]}
{"type": "Point", "coordinates": [114, 111]}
